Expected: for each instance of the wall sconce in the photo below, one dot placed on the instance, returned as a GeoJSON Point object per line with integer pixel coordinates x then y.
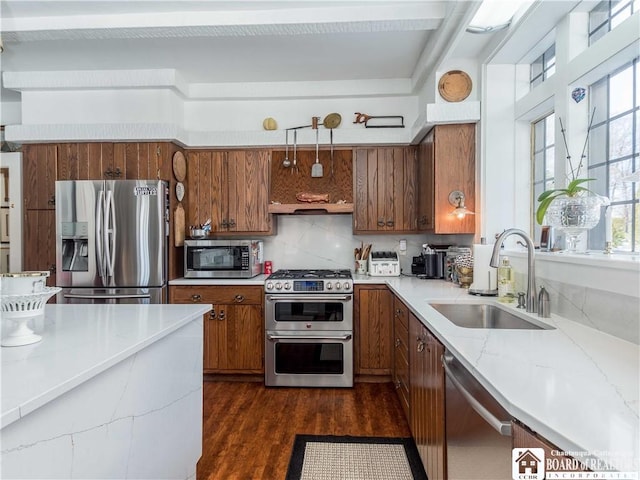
{"type": "Point", "coordinates": [456, 198]}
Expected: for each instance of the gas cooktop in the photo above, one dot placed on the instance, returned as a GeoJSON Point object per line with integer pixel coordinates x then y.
{"type": "Point", "coordinates": [309, 281]}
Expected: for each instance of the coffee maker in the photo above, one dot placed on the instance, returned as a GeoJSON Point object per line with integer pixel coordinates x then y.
{"type": "Point", "coordinates": [431, 263]}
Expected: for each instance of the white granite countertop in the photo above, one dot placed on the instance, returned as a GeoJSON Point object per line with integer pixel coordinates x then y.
{"type": "Point", "coordinates": [574, 385]}
{"type": "Point", "coordinates": [79, 342]}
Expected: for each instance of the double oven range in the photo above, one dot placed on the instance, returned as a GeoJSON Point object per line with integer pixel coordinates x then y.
{"type": "Point", "coordinates": [309, 328]}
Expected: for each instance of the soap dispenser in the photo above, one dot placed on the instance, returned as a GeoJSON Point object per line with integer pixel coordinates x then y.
{"type": "Point", "coordinates": [506, 283]}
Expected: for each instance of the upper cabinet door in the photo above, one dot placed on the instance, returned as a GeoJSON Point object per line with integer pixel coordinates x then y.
{"type": "Point", "coordinates": [385, 190]}
{"type": "Point", "coordinates": [447, 159]}
{"type": "Point", "coordinates": [40, 175]}
{"type": "Point", "coordinates": [231, 188]}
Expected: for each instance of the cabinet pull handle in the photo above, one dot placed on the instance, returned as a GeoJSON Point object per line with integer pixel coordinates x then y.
{"type": "Point", "coordinates": [381, 222]}
{"type": "Point", "coordinates": [232, 223]}
{"type": "Point", "coordinates": [224, 224]}
{"type": "Point", "coordinates": [196, 298]}
{"type": "Point", "coordinates": [421, 345]}
{"type": "Point", "coordinates": [423, 220]}
{"type": "Point", "coordinates": [52, 200]}
{"type": "Point", "coordinates": [390, 223]}
{"type": "Point", "coordinates": [221, 316]}
{"type": "Point", "coordinates": [212, 314]}
{"type": "Point", "coordinates": [239, 298]}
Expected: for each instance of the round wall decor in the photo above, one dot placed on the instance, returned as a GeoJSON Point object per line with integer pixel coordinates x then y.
{"type": "Point", "coordinates": [454, 86]}
{"type": "Point", "coordinates": [179, 166]}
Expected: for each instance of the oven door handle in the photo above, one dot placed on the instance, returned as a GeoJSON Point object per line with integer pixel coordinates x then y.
{"type": "Point", "coordinates": [346, 336]}
{"type": "Point", "coordinates": [310, 298]}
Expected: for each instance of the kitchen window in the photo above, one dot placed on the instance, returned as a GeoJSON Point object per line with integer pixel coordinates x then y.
{"type": "Point", "coordinates": [543, 141]}
{"type": "Point", "coordinates": [607, 15]}
{"type": "Point", "coordinates": [614, 153]}
{"type": "Point", "coordinates": [543, 67]}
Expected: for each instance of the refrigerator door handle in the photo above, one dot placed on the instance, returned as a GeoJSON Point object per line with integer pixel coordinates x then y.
{"type": "Point", "coordinates": [99, 235]}
{"type": "Point", "coordinates": [106, 296]}
{"type": "Point", "coordinates": [110, 233]}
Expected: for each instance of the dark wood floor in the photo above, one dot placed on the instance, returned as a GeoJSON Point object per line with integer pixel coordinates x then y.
{"type": "Point", "coordinates": [248, 429]}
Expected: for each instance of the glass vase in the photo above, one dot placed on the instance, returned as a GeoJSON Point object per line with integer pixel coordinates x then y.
{"type": "Point", "coordinates": [575, 215]}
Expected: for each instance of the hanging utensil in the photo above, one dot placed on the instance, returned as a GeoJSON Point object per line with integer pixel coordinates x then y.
{"type": "Point", "coordinates": [331, 142]}
{"type": "Point", "coordinates": [316, 170]}
{"type": "Point", "coordinates": [286, 163]}
{"type": "Point", "coordinates": [332, 120]}
{"type": "Point", "coordinates": [295, 151]}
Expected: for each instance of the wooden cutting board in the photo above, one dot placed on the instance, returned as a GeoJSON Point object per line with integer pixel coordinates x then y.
{"type": "Point", "coordinates": [179, 226]}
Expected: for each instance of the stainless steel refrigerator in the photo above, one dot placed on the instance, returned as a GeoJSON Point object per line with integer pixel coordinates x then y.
{"type": "Point", "coordinates": [112, 241]}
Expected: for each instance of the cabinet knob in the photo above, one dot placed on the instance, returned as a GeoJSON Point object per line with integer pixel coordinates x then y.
{"type": "Point", "coordinates": [423, 220]}
{"type": "Point", "coordinates": [52, 200]}
{"type": "Point", "coordinates": [212, 314]}
{"type": "Point", "coordinates": [381, 222]}
{"type": "Point", "coordinates": [390, 223]}
{"type": "Point", "coordinates": [195, 298]}
{"type": "Point", "coordinates": [421, 345]}
{"type": "Point", "coordinates": [397, 384]}
{"type": "Point", "coordinates": [224, 224]}
{"type": "Point", "coordinates": [232, 223]}
{"type": "Point", "coordinates": [239, 298]}
{"type": "Point", "coordinates": [397, 342]}
{"type": "Point", "coordinates": [221, 317]}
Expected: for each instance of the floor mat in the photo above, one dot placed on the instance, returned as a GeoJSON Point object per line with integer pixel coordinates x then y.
{"type": "Point", "coordinates": [330, 457]}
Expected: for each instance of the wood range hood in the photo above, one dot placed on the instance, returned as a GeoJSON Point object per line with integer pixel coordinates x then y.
{"type": "Point", "coordinates": [336, 182]}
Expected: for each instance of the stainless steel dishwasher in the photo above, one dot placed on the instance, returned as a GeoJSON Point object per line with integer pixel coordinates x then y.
{"type": "Point", "coordinates": [478, 429]}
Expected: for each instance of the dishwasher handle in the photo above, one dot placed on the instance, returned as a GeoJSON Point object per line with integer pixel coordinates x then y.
{"type": "Point", "coordinates": [503, 427]}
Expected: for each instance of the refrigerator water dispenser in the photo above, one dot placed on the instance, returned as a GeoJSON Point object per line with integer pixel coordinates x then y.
{"type": "Point", "coordinates": [75, 247]}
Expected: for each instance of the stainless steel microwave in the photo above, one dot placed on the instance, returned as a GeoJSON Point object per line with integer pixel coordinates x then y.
{"type": "Point", "coordinates": [222, 258]}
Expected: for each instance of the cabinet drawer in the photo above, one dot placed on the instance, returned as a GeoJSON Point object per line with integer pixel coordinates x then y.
{"type": "Point", "coordinates": [401, 313]}
{"type": "Point", "coordinates": [227, 295]}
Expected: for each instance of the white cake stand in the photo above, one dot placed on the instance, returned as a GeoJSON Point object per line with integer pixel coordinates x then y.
{"type": "Point", "coordinates": [19, 309]}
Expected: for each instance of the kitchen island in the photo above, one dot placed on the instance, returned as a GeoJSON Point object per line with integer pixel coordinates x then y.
{"type": "Point", "coordinates": [111, 391]}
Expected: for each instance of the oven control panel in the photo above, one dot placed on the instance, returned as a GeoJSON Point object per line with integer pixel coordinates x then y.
{"type": "Point", "coordinates": [311, 286]}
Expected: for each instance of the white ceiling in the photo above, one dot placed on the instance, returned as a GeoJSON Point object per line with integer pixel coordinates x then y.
{"type": "Point", "coordinates": [238, 41]}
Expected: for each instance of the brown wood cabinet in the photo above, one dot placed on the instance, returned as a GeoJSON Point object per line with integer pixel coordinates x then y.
{"type": "Point", "coordinates": [233, 329]}
{"type": "Point", "coordinates": [385, 190]}
{"type": "Point", "coordinates": [46, 163]}
{"type": "Point", "coordinates": [446, 162]}
{"type": "Point", "coordinates": [426, 378]}
{"type": "Point", "coordinates": [401, 354]}
{"type": "Point", "coordinates": [524, 438]}
{"type": "Point", "coordinates": [373, 326]}
{"type": "Point", "coordinates": [231, 188]}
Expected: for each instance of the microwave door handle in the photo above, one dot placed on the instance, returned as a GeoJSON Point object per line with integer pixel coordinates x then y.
{"type": "Point", "coordinates": [99, 233]}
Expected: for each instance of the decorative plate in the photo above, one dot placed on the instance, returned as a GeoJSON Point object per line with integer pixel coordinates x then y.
{"type": "Point", "coordinates": [179, 166]}
{"type": "Point", "coordinates": [179, 191]}
{"type": "Point", "coordinates": [454, 86]}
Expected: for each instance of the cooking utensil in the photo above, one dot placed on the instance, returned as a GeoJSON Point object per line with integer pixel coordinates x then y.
{"type": "Point", "coordinates": [286, 163]}
{"type": "Point", "coordinates": [316, 170]}
{"type": "Point", "coordinates": [295, 152]}
{"type": "Point", "coordinates": [331, 142]}
{"type": "Point", "coordinates": [332, 120]}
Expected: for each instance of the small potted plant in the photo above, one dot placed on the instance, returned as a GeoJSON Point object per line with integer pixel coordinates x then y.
{"type": "Point", "coordinates": [573, 209]}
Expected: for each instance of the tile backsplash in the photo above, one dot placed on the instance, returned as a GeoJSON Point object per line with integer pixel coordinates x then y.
{"type": "Point", "coordinates": [327, 241]}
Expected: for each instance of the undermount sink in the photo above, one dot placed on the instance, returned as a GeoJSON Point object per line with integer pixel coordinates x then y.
{"type": "Point", "coordinates": [486, 316]}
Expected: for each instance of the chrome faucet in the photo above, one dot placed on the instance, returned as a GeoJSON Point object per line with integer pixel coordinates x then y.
{"type": "Point", "coordinates": [531, 274]}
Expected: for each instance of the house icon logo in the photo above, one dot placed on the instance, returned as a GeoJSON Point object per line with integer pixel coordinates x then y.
{"type": "Point", "coordinates": [527, 464]}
